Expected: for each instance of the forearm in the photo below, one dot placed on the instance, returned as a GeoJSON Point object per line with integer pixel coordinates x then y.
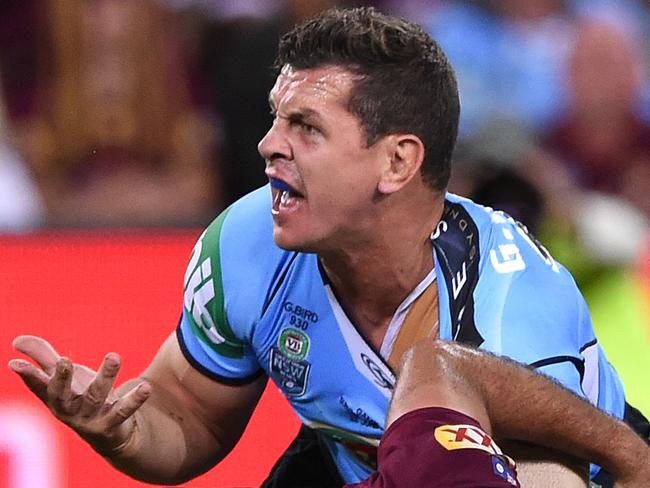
{"type": "Point", "coordinates": [549, 414]}
{"type": "Point", "coordinates": [165, 445]}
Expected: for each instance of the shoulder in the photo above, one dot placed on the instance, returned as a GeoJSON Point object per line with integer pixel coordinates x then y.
{"type": "Point", "coordinates": [504, 245]}
{"type": "Point", "coordinates": [514, 286]}
{"type": "Point", "coordinates": [242, 236]}
{"type": "Point", "coordinates": [238, 256]}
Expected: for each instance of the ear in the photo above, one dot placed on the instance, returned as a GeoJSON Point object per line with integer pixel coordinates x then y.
{"type": "Point", "coordinates": [404, 157]}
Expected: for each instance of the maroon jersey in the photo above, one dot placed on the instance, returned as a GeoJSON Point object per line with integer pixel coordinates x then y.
{"type": "Point", "coordinates": [438, 447]}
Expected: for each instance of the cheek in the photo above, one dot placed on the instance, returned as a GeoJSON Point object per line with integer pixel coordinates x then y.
{"type": "Point", "coordinates": [343, 178]}
{"type": "Point", "coordinates": [345, 195]}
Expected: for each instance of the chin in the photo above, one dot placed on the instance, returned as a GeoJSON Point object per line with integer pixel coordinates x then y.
{"type": "Point", "coordinates": [285, 240]}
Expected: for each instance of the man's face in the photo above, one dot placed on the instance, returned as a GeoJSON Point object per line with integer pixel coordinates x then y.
{"type": "Point", "coordinates": [323, 177]}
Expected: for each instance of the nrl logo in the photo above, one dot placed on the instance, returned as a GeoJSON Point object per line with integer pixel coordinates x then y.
{"type": "Point", "coordinates": [294, 344]}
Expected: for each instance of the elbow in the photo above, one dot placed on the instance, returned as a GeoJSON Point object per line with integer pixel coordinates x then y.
{"type": "Point", "coordinates": [433, 355]}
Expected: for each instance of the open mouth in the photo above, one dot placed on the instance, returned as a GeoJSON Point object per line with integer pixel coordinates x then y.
{"type": "Point", "coordinates": [285, 197]}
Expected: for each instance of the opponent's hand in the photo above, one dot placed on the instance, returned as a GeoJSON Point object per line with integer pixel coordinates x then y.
{"type": "Point", "coordinates": [80, 397]}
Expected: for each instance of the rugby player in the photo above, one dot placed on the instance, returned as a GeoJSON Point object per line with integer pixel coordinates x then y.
{"type": "Point", "coordinates": [321, 281]}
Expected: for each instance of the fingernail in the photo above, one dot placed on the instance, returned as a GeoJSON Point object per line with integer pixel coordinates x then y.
{"type": "Point", "coordinates": [144, 388]}
{"type": "Point", "coordinates": [63, 366]}
{"type": "Point", "coordinates": [112, 360]}
{"type": "Point", "coordinates": [17, 365]}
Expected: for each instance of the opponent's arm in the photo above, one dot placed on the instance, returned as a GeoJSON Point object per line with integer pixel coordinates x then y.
{"type": "Point", "coordinates": [518, 403]}
{"type": "Point", "coordinates": [166, 427]}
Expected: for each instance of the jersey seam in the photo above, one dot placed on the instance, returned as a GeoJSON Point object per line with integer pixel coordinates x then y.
{"type": "Point", "coordinates": [211, 374]}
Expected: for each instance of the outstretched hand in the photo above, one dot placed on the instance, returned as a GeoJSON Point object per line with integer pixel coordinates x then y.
{"type": "Point", "coordinates": [80, 397]}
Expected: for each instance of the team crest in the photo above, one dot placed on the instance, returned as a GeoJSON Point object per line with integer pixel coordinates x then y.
{"type": "Point", "coordinates": [290, 374]}
{"type": "Point", "coordinates": [294, 344]}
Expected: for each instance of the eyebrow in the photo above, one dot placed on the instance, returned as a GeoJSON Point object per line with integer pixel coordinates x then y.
{"type": "Point", "coordinates": [304, 113]}
{"type": "Point", "coordinates": [299, 114]}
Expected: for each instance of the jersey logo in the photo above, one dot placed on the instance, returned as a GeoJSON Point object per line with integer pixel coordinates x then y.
{"type": "Point", "coordinates": [459, 280]}
{"type": "Point", "coordinates": [294, 344]}
{"type": "Point", "coordinates": [502, 470]}
{"type": "Point", "coordinates": [456, 242]}
{"type": "Point", "coordinates": [377, 373]}
{"type": "Point", "coordinates": [358, 415]}
{"type": "Point", "coordinates": [508, 260]}
{"type": "Point", "coordinates": [464, 436]}
{"type": "Point", "coordinates": [290, 374]}
{"type": "Point", "coordinates": [199, 291]}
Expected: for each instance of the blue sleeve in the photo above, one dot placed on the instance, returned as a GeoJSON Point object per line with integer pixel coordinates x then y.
{"type": "Point", "coordinates": [529, 308]}
{"type": "Point", "coordinates": [225, 285]}
{"type": "Point", "coordinates": [204, 332]}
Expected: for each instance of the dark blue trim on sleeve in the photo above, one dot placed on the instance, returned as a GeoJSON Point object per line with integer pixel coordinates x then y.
{"type": "Point", "coordinates": [210, 374]}
{"type": "Point", "coordinates": [578, 363]}
{"type": "Point", "coordinates": [588, 344]}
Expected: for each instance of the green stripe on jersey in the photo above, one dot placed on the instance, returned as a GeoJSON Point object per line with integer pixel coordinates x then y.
{"type": "Point", "coordinates": [204, 298]}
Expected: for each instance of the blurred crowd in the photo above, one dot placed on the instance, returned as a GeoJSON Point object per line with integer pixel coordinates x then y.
{"type": "Point", "coordinates": [117, 113]}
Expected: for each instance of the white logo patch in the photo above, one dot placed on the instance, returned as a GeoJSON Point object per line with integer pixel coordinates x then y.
{"type": "Point", "coordinates": [199, 291]}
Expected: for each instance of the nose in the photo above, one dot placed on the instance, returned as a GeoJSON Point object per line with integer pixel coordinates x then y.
{"type": "Point", "coordinates": [274, 145]}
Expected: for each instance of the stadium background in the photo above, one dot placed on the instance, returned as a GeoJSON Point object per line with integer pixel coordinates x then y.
{"type": "Point", "coordinates": [90, 293]}
{"type": "Point", "coordinates": [125, 127]}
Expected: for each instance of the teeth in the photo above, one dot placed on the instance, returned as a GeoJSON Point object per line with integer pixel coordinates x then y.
{"type": "Point", "coordinates": [285, 197]}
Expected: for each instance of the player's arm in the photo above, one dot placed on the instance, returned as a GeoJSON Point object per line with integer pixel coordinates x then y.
{"type": "Point", "coordinates": [517, 403]}
{"type": "Point", "coordinates": [166, 427]}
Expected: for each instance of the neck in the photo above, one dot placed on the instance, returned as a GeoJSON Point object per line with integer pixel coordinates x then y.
{"type": "Point", "coordinates": [374, 276]}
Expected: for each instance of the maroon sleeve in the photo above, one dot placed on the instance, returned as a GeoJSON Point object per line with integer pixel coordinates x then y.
{"type": "Point", "coordinates": [437, 447]}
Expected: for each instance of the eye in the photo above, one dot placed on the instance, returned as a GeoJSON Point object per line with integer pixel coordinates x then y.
{"type": "Point", "coordinates": [309, 129]}
{"type": "Point", "coordinates": [304, 127]}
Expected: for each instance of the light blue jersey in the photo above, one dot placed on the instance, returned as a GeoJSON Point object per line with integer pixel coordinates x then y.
{"type": "Point", "coordinates": [252, 308]}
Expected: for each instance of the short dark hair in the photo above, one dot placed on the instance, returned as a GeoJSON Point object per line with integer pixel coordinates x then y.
{"type": "Point", "coordinates": [406, 83]}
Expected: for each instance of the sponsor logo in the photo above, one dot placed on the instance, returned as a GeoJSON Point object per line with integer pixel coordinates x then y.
{"type": "Point", "coordinates": [502, 470]}
{"type": "Point", "coordinates": [441, 227]}
{"type": "Point", "coordinates": [358, 415]}
{"type": "Point", "coordinates": [508, 259]}
{"type": "Point", "coordinates": [456, 243]}
{"type": "Point", "coordinates": [462, 436]}
{"type": "Point", "coordinates": [199, 292]}
{"type": "Point", "coordinates": [380, 377]}
{"type": "Point", "coordinates": [290, 374]}
{"type": "Point", "coordinates": [294, 344]}
{"type": "Point", "coordinates": [459, 280]}
{"type": "Point", "coordinates": [456, 215]}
